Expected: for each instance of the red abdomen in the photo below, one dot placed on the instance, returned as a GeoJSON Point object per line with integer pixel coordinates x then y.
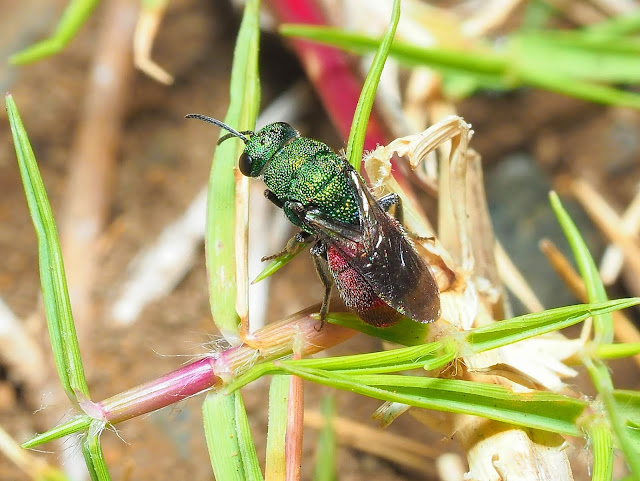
{"type": "Point", "coordinates": [357, 294]}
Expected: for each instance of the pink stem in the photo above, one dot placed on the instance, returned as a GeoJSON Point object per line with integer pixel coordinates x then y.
{"type": "Point", "coordinates": [273, 341]}
{"type": "Point", "coordinates": [295, 424]}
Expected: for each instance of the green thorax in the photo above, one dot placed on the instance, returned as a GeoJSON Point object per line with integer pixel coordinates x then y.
{"type": "Point", "coordinates": [309, 172]}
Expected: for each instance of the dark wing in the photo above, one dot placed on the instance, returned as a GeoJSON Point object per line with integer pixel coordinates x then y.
{"type": "Point", "coordinates": [381, 252]}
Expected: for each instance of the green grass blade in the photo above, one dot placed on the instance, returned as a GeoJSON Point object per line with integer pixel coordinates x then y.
{"type": "Point", "coordinates": [73, 18]}
{"type": "Point", "coordinates": [615, 27]}
{"type": "Point", "coordinates": [52, 277]}
{"type": "Point", "coordinates": [539, 410]}
{"type": "Point", "coordinates": [406, 332]}
{"type": "Point", "coordinates": [326, 452]}
{"type": "Point", "coordinates": [617, 351]}
{"type": "Point", "coordinates": [392, 360]}
{"type": "Point", "coordinates": [496, 71]}
{"type": "Point", "coordinates": [231, 448]}
{"type": "Point", "coordinates": [368, 94]}
{"type": "Point", "coordinates": [577, 56]}
{"type": "Point", "coordinates": [275, 467]}
{"type": "Point", "coordinates": [602, 449]}
{"type": "Point", "coordinates": [93, 456]}
{"type": "Point", "coordinates": [279, 262]}
{"type": "Point", "coordinates": [603, 324]}
{"type": "Point", "coordinates": [78, 423]}
{"type": "Point", "coordinates": [592, 92]}
{"type": "Point", "coordinates": [534, 324]}
{"type": "Point", "coordinates": [482, 64]}
{"type": "Point", "coordinates": [221, 203]}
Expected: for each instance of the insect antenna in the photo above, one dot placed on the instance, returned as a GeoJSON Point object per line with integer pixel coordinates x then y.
{"type": "Point", "coordinates": [233, 132]}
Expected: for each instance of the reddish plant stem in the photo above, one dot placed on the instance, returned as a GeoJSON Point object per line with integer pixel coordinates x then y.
{"type": "Point", "coordinates": [295, 423]}
{"type": "Point", "coordinates": [273, 341]}
{"type": "Point", "coordinates": [329, 71]}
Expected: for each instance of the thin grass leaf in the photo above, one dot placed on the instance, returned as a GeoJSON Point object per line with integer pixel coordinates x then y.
{"type": "Point", "coordinates": [62, 331]}
{"type": "Point", "coordinates": [537, 323]}
{"type": "Point", "coordinates": [326, 452]}
{"type": "Point", "coordinates": [602, 449]}
{"type": "Point", "coordinates": [275, 467]}
{"type": "Point", "coordinates": [406, 332]}
{"type": "Point", "coordinates": [577, 56]}
{"type": "Point", "coordinates": [279, 262]}
{"type": "Point", "coordinates": [231, 448]}
{"type": "Point", "coordinates": [427, 356]}
{"type": "Point", "coordinates": [617, 351]}
{"type": "Point", "coordinates": [539, 410]}
{"type": "Point", "coordinates": [73, 18]}
{"type": "Point", "coordinates": [589, 91]}
{"type": "Point", "coordinates": [93, 456]}
{"type": "Point", "coordinates": [615, 27]}
{"type": "Point", "coordinates": [486, 69]}
{"type": "Point", "coordinates": [437, 353]}
{"type": "Point", "coordinates": [221, 202]}
{"type": "Point", "coordinates": [368, 94]}
{"type": "Point", "coordinates": [74, 425]}
{"type": "Point", "coordinates": [603, 326]}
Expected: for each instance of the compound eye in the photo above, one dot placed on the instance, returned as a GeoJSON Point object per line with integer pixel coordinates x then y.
{"type": "Point", "coordinates": [245, 164]}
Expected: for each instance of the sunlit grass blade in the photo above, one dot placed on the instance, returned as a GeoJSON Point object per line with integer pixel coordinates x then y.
{"type": "Point", "coordinates": [368, 94]}
{"type": "Point", "coordinates": [616, 351]}
{"type": "Point", "coordinates": [74, 425]}
{"type": "Point", "coordinates": [534, 324]}
{"type": "Point", "coordinates": [406, 332]}
{"type": "Point", "coordinates": [602, 449]}
{"type": "Point", "coordinates": [73, 18]}
{"type": "Point", "coordinates": [439, 352]}
{"type": "Point", "coordinates": [326, 452]}
{"type": "Point", "coordinates": [508, 70]}
{"type": "Point", "coordinates": [220, 239]}
{"type": "Point", "coordinates": [52, 277]}
{"type": "Point", "coordinates": [628, 404]}
{"type": "Point", "coordinates": [539, 410]}
{"type": "Point", "coordinates": [275, 467]}
{"type": "Point", "coordinates": [615, 26]}
{"type": "Point", "coordinates": [279, 262]}
{"type": "Point", "coordinates": [603, 326]}
{"type": "Point", "coordinates": [93, 456]}
{"type": "Point", "coordinates": [231, 448]}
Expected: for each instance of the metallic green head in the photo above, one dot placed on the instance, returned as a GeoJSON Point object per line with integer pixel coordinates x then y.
{"type": "Point", "coordinates": [263, 145]}
{"type": "Point", "coordinates": [260, 146]}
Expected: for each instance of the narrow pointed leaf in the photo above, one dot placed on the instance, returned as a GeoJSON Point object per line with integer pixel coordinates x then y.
{"type": "Point", "coordinates": [368, 94]}
{"type": "Point", "coordinates": [534, 324]}
{"type": "Point", "coordinates": [62, 331]}
{"type": "Point", "coordinates": [538, 410]}
{"type": "Point", "coordinates": [93, 456]}
{"type": "Point", "coordinates": [73, 18]}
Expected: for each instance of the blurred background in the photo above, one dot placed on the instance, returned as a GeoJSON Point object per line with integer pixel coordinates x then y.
{"type": "Point", "coordinates": [125, 171]}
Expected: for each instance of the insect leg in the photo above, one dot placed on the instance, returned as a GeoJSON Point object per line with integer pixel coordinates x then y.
{"type": "Point", "coordinates": [292, 246]}
{"type": "Point", "coordinates": [386, 201]}
{"type": "Point", "coordinates": [319, 256]}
